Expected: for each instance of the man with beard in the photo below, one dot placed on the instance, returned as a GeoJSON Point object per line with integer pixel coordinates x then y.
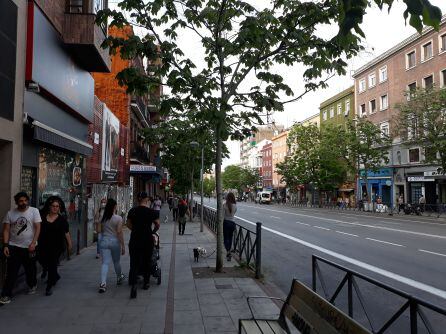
{"type": "Point", "coordinates": [21, 229]}
{"type": "Point", "coordinates": [139, 221]}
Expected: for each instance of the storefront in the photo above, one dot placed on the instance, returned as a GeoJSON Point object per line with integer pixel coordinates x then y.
{"type": "Point", "coordinates": [380, 184]}
{"type": "Point", "coordinates": [145, 178]}
{"type": "Point", "coordinates": [420, 185]}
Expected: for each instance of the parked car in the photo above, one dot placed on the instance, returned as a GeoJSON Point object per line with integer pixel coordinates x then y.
{"type": "Point", "coordinates": [263, 197]}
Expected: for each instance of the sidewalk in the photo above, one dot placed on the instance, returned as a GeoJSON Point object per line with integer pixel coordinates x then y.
{"type": "Point", "coordinates": [190, 299]}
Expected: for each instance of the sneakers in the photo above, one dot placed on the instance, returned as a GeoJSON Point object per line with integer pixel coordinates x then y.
{"type": "Point", "coordinates": [48, 292]}
{"type": "Point", "coordinates": [5, 300]}
{"type": "Point", "coordinates": [32, 290]}
{"type": "Point", "coordinates": [146, 286]}
{"type": "Point", "coordinates": [121, 279]}
{"type": "Point", "coordinates": [102, 288]}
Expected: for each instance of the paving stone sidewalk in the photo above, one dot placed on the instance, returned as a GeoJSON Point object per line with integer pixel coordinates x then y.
{"type": "Point", "coordinates": [181, 304]}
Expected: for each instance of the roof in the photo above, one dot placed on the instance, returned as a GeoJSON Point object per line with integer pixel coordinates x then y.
{"type": "Point", "coordinates": [341, 95]}
{"type": "Point", "coordinates": [395, 49]}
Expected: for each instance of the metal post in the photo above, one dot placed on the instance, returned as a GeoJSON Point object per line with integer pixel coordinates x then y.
{"type": "Point", "coordinates": [202, 187]}
{"type": "Point", "coordinates": [413, 317]}
{"type": "Point", "coordinates": [350, 295]}
{"type": "Point", "coordinates": [258, 250]}
{"type": "Point", "coordinates": [313, 269]}
{"type": "Point", "coordinates": [191, 194]}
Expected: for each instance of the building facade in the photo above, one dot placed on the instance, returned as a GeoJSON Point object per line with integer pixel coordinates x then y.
{"type": "Point", "coordinates": [338, 109]}
{"type": "Point", "coordinates": [279, 152]}
{"type": "Point", "coordinates": [267, 166]}
{"type": "Point", "coordinates": [62, 39]}
{"type": "Point", "coordinates": [313, 119]}
{"type": "Point", "coordinates": [418, 61]}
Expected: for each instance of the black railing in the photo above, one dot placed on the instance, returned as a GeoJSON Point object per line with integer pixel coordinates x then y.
{"type": "Point", "coordinates": [246, 244]}
{"type": "Point", "coordinates": [415, 305]}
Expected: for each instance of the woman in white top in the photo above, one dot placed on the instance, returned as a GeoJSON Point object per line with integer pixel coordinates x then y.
{"type": "Point", "coordinates": [112, 243]}
{"type": "Point", "coordinates": [230, 208]}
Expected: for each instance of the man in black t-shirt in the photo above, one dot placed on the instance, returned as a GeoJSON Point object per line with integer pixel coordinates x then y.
{"type": "Point", "coordinates": [183, 210]}
{"type": "Point", "coordinates": [140, 220]}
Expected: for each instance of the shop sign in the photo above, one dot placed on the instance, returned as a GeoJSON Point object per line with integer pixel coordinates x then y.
{"type": "Point", "coordinates": [142, 169]}
{"type": "Point", "coordinates": [110, 145]}
{"type": "Point", "coordinates": [438, 172]}
{"type": "Point", "coordinates": [418, 179]}
{"type": "Point", "coordinates": [96, 138]}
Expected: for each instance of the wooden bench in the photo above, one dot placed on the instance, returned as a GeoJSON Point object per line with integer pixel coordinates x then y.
{"type": "Point", "coordinates": [304, 312]}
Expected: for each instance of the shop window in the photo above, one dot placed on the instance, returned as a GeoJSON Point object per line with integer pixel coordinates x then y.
{"type": "Point", "coordinates": [414, 155]}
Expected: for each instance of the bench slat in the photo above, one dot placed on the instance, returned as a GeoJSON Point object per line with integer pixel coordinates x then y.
{"type": "Point", "coordinates": [276, 327]}
{"type": "Point", "coordinates": [250, 327]}
{"type": "Point", "coordinates": [264, 327]}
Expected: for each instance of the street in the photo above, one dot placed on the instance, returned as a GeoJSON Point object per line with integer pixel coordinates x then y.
{"type": "Point", "coordinates": [407, 253]}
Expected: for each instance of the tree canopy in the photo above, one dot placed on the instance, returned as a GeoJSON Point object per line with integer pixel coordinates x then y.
{"type": "Point", "coordinates": [240, 179]}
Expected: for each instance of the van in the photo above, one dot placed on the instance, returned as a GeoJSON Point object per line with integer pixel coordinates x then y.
{"type": "Point", "coordinates": [263, 197]}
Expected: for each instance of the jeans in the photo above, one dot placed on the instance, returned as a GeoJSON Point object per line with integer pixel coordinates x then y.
{"type": "Point", "coordinates": [228, 232]}
{"type": "Point", "coordinates": [110, 250]}
{"type": "Point", "coordinates": [19, 256]}
{"type": "Point", "coordinates": [98, 243]}
{"type": "Point", "coordinates": [182, 224]}
{"type": "Point", "coordinates": [175, 213]}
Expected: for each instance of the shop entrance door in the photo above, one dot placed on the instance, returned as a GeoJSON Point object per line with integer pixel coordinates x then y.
{"type": "Point", "coordinates": [430, 192]}
{"type": "Point", "coordinates": [386, 195]}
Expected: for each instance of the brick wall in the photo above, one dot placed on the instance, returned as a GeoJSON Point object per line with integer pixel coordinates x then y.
{"type": "Point", "coordinates": [94, 161]}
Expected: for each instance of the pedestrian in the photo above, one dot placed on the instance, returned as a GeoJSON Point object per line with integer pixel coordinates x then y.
{"type": "Point", "coordinates": [230, 208]}
{"type": "Point", "coordinates": [157, 205]}
{"type": "Point", "coordinates": [112, 243]}
{"type": "Point", "coordinates": [97, 225]}
{"type": "Point", "coordinates": [140, 220]}
{"type": "Point", "coordinates": [183, 211]}
{"type": "Point", "coordinates": [169, 201]}
{"type": "Point", "coordinates": [21, 229]}
{"type": "Point", "coordinates": [422, 202]}
{"type": "Point", "coordinates": [54, 234]}
{"type": "Point", "coordinates": [193, 207]}
{"type": "Point", "coordinates": [175, 208]}
{"type": "Point", "coordinates": [400, 203]}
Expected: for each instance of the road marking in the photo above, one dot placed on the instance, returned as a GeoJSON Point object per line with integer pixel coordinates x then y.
{"type": "Point", "coordinates": [405, 280]}
{"type": "Point", "coordinates": [358, 224]}
{"type": "Point", "coordinates": [275, 217]}
{"type": "Point", "coordinates": [353, 235]}
{"type": "Point", "coordinates": [426, 251]}
{"type": "Point", "coordinates": [322, 228]}
{"type": "Point", "coordinates": [385, 242]}
{"type": "Point", "coordinates": [303, 224]}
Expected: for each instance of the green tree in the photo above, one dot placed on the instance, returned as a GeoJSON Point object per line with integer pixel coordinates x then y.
{"type": "Point", "coordinates": [209, 186]}
{"type": "Point", "coordinates": [234, 83]}
{"type": "Point", "coordinates": [240, 179]}
{"type": "Point", "coordinates": [422, 121]}
{"type": "Point", "coordinates": [367, 148]}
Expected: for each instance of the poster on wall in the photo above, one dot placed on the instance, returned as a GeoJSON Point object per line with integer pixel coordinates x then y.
{"type": "Point", "coordinates": [110, 145]}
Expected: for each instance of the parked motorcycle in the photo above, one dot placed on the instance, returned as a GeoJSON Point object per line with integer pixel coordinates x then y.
{"type": "Point", "coordinates": [412, 209]}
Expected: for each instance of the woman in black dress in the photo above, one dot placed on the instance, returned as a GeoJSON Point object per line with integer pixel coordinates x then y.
{"type": "Point", "coordinates": [54, 233]}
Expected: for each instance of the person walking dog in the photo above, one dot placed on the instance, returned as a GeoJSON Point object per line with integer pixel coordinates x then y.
{"type": "Point", "coordinates": [21, 229]}
{"type": "Point", "coordinates": [54, 234]}
{"type": "Point", "coordinates": [230, 208]}
{"type": "Point", "coordinates": [112, 244]}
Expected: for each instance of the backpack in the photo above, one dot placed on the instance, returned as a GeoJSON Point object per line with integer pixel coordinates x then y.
{"type": "Point", "coordinates": [182, 208]}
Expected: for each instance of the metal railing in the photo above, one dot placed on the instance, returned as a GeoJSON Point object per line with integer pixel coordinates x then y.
{"type": "Point", "coordinates": [246, 244]}
{"type": "Point", "coordinates": [416, 306]}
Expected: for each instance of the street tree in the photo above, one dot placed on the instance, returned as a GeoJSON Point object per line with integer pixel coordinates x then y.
{"type": "Point", "coordinates": [240, 179]}
{"type": "Point", "coordinates": [234, 82]}
{"type": "Point", "coordinates": [367, 148]}
{"type": "Point", "coordinates": [422, 121]}
{"type": "Point", "coordinates": [209, 186]}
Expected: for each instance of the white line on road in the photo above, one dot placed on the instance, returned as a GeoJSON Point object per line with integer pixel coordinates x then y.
{"type": "Point", "coordinates": [385, 242]}
{"type": "Point", "coordinates": [353, 235]}
{"type": "Point", "coordinates": [275, 217]}
{"type": "Point", "coordinates": [322, 228]}
{"type": "Point", "coordinates": [303, 224]}
{"type": "Point", "coordinates": [357, 224]}
{"type": "Point", "coordinates": [405, 280]}
{"type": "Point", "coordinates": [426, 251]}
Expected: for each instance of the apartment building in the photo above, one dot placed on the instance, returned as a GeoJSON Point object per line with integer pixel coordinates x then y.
{"type": "Point", "coordinates": [418, 61]}
{"type": "Point", "coordinates": [338, 109]}
{"type": "Point", "coordinates": [267, 166]}
{"type": "Point", "coordinates": [279, 152]}
{"type": "Point", "coordinates": [313, 119]}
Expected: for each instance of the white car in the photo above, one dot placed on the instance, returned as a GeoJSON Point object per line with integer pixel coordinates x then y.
{"type": "Point", "coordinates": [263, 197]}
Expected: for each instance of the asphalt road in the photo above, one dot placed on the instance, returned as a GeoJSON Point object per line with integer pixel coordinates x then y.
{"type": "Point", "coordinates": [406, 252]}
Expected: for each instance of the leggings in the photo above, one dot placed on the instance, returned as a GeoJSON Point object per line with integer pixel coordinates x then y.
{"type": "Point", "coordinates": [228, 232]}
{"type": "Point", "coordinates": [110, 251]}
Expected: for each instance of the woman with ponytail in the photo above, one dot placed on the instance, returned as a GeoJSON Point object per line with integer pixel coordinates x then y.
{"type": "Point", "coordinates": [230, 208]}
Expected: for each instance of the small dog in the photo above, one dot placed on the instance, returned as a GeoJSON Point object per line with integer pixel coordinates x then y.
{"type": "Point", "coordinates": [199, 251]}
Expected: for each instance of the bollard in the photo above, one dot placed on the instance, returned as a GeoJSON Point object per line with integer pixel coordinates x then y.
{"type": "Point", "coordinates": [258, 250]}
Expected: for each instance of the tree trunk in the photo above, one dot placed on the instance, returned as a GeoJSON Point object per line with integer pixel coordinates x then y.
{"type": "Point", "coordinates": [218, 183]}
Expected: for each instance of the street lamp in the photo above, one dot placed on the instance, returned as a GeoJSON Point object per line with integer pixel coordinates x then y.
{"type": "Point", "coordinates": [196, 144]}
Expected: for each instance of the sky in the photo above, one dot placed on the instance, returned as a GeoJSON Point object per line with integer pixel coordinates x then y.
{"type": "Point", "coordinates": [383, 30]}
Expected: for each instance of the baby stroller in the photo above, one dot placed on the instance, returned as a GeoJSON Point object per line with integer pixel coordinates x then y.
{"type": "Point", "coordinates": [155, 270]}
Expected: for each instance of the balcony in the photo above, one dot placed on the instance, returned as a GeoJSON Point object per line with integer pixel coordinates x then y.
{"type": "Point", "coordinates": [138, 153]}
{"type": "Point", "coordinates": [138, 104]}
{"type": "Point", "coordinates": [83, 37]}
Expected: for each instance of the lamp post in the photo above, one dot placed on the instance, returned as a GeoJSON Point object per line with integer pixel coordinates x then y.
{"type": "Point", "coordinates": [195, 144]}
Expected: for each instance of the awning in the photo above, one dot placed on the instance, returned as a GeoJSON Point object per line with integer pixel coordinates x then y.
{"type": "Point", "coordinates": [57, 138]}
{"type": "Point", "coordinates": [145, 169]}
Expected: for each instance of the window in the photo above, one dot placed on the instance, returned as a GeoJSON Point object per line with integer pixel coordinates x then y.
{"type": "Point", "coordinates": [414, 155]}
{"type": "Point", "coordinates": [339, 109]}
{"type": "Point", "coordinates": [442, 43]}
{"type": "Point", "coordinates": [443, 78]}
{"type": "Point", "coordinates": [410, 59]}
{"type": "Point", "coordinates": [331, 112]}
{"type": "Point", "coordinates": [411, 88]}
{"type": "Point", "coordinates": [347, 108]}
{"type": "Point", "coordinates": [426, 51]}
{"type": "Point", "coordinates": [372, 80]}
{"type": "Point", "coordinates": [372, 106]}
{"type": "Point", "coordinates": [428, 82]}
{"type": "Point", "coordinates": [324, 115]}
{"type": "Point", "coordinates": [362, 110]}
{"type": "Point", "coordinates": [361, 85]}
{"type": "Point", "coordinates": [384, 102]}
{"type": "Point", "coordinates": [383, 74]}
{"type": "Point", "coordinates": [384, 129]}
